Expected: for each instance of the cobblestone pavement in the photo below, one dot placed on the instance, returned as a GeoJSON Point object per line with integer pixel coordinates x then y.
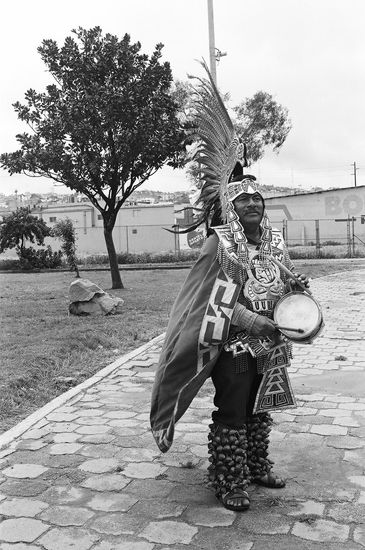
{"type": "Point", "coordinates": [84, 473]}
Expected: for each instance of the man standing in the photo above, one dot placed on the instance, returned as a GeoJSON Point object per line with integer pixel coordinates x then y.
{"type": "Point", "coordinates": [221, 323]}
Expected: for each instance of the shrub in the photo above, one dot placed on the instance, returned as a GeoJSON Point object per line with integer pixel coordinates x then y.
{"type": "Point", "coordinates": [331, 243]}
{"type": "Point", "coordinates": [38, 259]}
{"type": "Point", "coordinates": [162, 258]}
{"type": "Point", "coordinates": [97, 259]}
{"type": "Point", "coordinates": [126, 258]}
{"type": "Point", "coordinates": [8, 265]}
{"type": "Point", "coordinates": [311, 254]}
{"type": "Point", "coordinates": [20, 226]}
{"type": "Point", "coordinates": [65, 231]}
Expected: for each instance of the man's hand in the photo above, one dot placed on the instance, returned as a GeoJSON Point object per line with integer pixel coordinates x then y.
{"type": "Point", "coordinates": [302, 278]}
{"type": "Point", "coordinates": [264, 327]}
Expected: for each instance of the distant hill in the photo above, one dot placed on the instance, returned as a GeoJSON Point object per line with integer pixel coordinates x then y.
{"type": "Point", "coordinates": [182, 197]}
{"type": "Point", "coordinates": [140, 196]}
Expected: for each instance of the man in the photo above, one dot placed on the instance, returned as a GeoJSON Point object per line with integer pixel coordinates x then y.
{"type": "Point", "coordinates": [221, 323]}
{"type": "Point", "coordinates": [237, 380]}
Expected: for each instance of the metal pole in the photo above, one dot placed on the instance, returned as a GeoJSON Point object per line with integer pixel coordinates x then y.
{"type": "Point", "coordinates": [355, 170]}
{"type": "Point", "coordinates": [318, 241]}
{"type": "Point", "coordinates": [353, 236]}
{"type": "Point", "coordinates": [354, 174]}
{"type": "Point", "coordinates": [177, 245]}
{"type": "Point", "coordinates": [349, 237]}
{"type": "Point", "coordinates": [285, 230]}
{"type": "Point", "coordinates": [212, 58]}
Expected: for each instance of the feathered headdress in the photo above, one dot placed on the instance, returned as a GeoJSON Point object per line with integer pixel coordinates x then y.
{"type": "Point", "coordinates": [221, 156]}
{"type": "Point", "coordinates": [219, 153]}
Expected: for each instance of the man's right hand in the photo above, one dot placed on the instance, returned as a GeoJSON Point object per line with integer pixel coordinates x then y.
{"type": "Point", "coordinates": [263, 326]}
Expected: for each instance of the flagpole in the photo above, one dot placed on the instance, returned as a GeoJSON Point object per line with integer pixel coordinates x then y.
{"type": "Point", "coordinates": [212, 54]}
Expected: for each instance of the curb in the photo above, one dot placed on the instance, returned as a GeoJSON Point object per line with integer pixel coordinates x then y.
{"type": "Point", "coordinates": [17, 430]}
{"type": "Point", "coordinates": [124, 267]}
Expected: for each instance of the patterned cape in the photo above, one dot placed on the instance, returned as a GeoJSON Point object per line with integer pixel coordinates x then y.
{"type": "Point", "coordinates": [194, 338]}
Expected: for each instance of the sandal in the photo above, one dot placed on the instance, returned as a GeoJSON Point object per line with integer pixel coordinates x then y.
{"type": "Point", "coordinates": [270, 481]}
{"type": "Point", "coordinates": [236, 500]}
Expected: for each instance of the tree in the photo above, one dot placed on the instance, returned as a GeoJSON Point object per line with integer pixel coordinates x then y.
{"type": "Point", "coordinates": [64, 230]}
{"type": "Point", "coordinates": [182, 92]}
{"type": "Point", "coordinates": [261, 122]}
{"type": "Point", "coordinates": [21, 226]}
{"type": "Point", "coordinates": [104, 127]}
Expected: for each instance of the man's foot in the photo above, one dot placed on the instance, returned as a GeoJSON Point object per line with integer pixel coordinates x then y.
{"type": "Point", "coordinates": [236, 500]}
{"type": "Point", "coordinates": [269, 480]}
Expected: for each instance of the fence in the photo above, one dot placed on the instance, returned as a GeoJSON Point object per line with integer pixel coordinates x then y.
{"type": "Point", "coordinates": [313, 238]}
{"type": "Point", "coordinates": [338, 237]}
{"type": "Point", "coordinates": [127, 238]}
{"type": "Point", "coordinates": [305, 238]}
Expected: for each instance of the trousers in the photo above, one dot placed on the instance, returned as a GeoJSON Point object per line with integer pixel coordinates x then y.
{"type": "Point", "coordinates": [235, 393]}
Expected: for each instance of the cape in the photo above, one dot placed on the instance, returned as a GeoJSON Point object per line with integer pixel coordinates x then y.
{"type": "Point", "coordinates": [199, 324]}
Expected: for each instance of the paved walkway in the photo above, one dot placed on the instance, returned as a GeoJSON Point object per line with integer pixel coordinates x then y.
{"type": "Point", "coordinates": [84, 473]}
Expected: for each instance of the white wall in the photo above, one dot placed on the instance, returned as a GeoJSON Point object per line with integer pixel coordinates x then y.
{"type": "Point", "coordinates": [138, 229]}
{"type": "Point", "coordinates": [301, 211]}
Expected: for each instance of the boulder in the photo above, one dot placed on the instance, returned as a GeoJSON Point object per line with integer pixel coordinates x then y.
{"type": "Point", "coordinates": [87, 298]}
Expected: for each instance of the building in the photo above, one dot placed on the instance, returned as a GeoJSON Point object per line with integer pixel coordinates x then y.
{"type": "Point", "coordinates": [332, 216]}
{"type": "Point", "coordinates": [325, 215]}
{"type": "Point", "coordinates": [138, 228]}
{"type": "Point", "coordinates": [335, 215]}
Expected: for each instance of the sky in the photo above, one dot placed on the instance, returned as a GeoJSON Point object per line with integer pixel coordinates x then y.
{"type": "Point", "coordinates": [309, 54]}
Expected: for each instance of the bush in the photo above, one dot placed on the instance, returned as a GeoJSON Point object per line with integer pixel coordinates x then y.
{"type": "Point", "coordinates": [145, 258]}
{"type": "Point", "coordinates": [311, 255]}
{"type": "Point", "coordinates": [163, 258]}
{"type": "Point", "coordinates": [8, 265]}
{"type": "Point", "coordinates": [40, 259]}
{"type": "Point", "coordinates": [97, 259]}
{"type": "Point", "coordinates": [65, 230]}
{"type": "Point", "coordinates": [331, 243]}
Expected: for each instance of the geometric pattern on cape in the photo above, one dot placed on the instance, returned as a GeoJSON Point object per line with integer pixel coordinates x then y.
{"type": "Point", "coordinates": [275, 391]}
{"type": "Point", "coordinates": [215, 326]}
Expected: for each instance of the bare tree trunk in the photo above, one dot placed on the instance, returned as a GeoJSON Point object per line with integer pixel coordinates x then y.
{"type": "Point", "coordinates": [113, 260]}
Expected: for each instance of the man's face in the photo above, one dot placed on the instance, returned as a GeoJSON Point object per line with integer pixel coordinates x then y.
{"type": "Point", "coordinates": [250, 208]}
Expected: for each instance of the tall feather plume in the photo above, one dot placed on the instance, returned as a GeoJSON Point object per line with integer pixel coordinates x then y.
{"type": "Point", "coordinates": [219, 148]}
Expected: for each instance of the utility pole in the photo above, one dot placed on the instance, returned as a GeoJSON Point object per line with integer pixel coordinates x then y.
{"type": "Point", "coordinates": [355, 170]}
{"type": "Point", "coordinates": [212, 56]}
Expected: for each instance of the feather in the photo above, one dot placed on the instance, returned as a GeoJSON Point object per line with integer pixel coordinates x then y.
{"type": "Point", "coordinates": [187, 229]}
{"type": "Point", "coordinates": [218, 149]}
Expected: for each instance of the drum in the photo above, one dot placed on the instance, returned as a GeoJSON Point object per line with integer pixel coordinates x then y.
{"type": "Point", "coordinates": [299, 310]}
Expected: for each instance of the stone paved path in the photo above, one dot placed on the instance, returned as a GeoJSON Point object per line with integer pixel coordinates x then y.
{"type": "Point", "coordinates": [84, 473]}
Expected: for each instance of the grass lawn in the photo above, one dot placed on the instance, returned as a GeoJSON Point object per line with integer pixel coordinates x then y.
{"type": "Point", "coordinates": [44, 351]}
